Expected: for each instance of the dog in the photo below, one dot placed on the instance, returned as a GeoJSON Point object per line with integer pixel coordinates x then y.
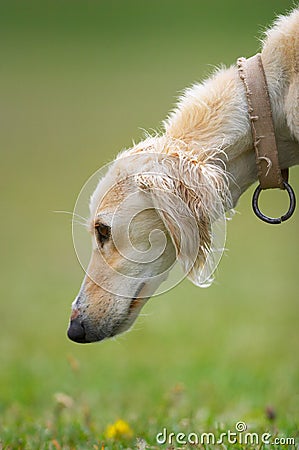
{"type": "Point", "coordinates": [167, 191]}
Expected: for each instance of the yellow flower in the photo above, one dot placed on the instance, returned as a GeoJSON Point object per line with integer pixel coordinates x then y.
{"type": "Point", "coordinates": [120, 429]}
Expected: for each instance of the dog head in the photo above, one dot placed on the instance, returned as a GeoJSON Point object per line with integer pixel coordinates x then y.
{"type": "Point", "coordinates": [150, 210]}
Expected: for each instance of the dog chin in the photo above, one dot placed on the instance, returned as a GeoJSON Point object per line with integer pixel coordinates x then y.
{"type": "Point", "coordinates": [134, 310]}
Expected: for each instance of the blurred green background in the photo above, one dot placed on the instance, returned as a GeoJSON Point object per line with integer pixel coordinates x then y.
{"type": "Point", "coordinates": [79, 80]}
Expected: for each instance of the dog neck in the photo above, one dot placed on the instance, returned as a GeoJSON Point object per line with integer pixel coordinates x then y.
{"type": "Point", "coordinates": [213, 117]}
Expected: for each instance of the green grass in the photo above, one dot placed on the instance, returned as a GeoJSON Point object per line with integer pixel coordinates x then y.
{"type": "Point", "coordinates": [77, 82]}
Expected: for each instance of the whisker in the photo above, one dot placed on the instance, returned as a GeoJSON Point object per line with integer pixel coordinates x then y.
{"type": "Point", "coordinates": [83, 224]}
{"type": "Point", "coordinates": [72, 214]}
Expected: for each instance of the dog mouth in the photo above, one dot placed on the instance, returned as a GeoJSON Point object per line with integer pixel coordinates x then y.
{"type": "Point", "coordinates": [137, 301]}
{"type": "Point", "coordinates": [82, 333]}
{"type": "Point", "coordinates": [135, 306]}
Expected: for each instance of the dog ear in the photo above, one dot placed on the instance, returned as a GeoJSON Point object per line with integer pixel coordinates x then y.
{"type": "Point", "coordinates": [186, 197]}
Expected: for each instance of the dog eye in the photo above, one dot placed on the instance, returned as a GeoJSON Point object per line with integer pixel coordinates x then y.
{"type": "Point", "coordinates": [102, 232]}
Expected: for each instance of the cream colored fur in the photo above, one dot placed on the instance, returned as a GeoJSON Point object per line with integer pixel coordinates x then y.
{"type": "Point", "coordinates": [205, 158]}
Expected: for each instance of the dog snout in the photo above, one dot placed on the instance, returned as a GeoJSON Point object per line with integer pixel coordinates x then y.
{"type": "Point", "coordinates": [76, 331]}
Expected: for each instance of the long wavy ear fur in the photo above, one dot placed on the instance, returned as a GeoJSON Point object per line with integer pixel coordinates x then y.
{"type": "Point", "coordinates": [189, 195]}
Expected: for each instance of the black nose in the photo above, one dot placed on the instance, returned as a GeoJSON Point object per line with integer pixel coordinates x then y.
{"type": "Point", "coordinates": [76, 331]}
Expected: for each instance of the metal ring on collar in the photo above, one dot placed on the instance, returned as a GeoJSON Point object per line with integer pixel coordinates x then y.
{"type": "Point", "coordinates": [274, 220]}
